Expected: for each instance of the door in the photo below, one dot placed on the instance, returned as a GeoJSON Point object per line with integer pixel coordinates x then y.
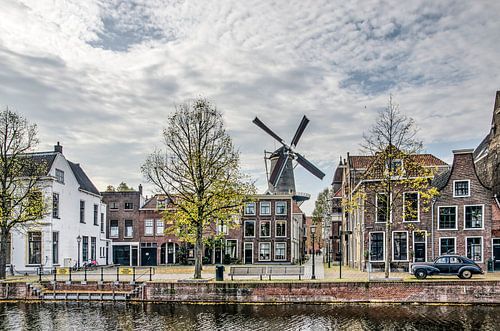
{"type": "Point", "coordinates": [443, 264]}
{"type": "Point", "coordinates": [148, 256]}
{"type": "Point", "coordinates": [248, 253]}
{"type": "Point", "coordinates": [170, 253]}
{"type": "Point", "coordinates": [496, 253]}
{"type": "Point", "coordinates": [455, 264]}
{"type": "Point", "coordinates": [163, 253]}
{"type": "Point", "coordinates": [419, 252]}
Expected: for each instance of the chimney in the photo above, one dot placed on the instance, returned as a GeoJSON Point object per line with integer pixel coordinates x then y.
{"type": "Point", "coordinates": [58, 148]}
{"type": "Point", "coordinates": [140, 189]}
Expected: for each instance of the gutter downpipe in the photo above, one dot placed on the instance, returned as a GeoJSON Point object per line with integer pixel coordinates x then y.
{"type": "Point", "coordinates": [433, 203]}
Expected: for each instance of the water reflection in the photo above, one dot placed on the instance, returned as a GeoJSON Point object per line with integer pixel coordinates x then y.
{"type": "Point", "coordinates": [108, 316]}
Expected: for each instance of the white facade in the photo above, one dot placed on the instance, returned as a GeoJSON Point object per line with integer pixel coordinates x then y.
{"type": "Point", "coordinates": [59, 230]}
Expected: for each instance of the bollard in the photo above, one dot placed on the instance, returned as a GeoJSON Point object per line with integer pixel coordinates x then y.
{"type": "Point", "coordinates": [85, 274]}
{"type": "Point", "coordinates": [117, 274]}
{"type": "Point", "coordinates": [40, 274]}
{"type": "Point", "coordinates": [102, 274]}
{"type": "Point", "coordinates": [55, 274]}
{"type": "Point", "coordinates": [70, 274]}
{"type": "Point", "coordinates": [150, 273]}
{"type": "Point", "coordinates": [133, 274]}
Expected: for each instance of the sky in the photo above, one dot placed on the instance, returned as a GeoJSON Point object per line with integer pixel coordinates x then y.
{"type": "Point", "coordinates": [102, 77]}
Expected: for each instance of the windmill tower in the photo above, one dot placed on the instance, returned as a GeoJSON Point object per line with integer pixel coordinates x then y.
{"type": "Point", "coordinates": [281, 179]}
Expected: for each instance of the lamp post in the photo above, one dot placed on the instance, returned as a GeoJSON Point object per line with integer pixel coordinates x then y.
{"type": "Point", "coordinates": [313, 230]}
{"type": "Point", "coordinates": [78, 240]}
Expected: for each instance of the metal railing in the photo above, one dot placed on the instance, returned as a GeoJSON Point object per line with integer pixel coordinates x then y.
{"type": "Point", "coordinates": [101, 274]}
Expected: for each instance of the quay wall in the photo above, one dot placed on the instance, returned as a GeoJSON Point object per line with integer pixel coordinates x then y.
{"type": "Point", "coordinates": [444, 292]}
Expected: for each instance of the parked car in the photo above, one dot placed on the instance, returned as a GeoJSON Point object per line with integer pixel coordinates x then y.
{"type": "Point", "coordinates": [460, 266]}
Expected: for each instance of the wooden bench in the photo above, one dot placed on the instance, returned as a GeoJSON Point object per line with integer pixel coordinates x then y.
{"type": "Point", "coordinates": [286, 271]}
{"type": "Point", "coordinates": [247, 271]}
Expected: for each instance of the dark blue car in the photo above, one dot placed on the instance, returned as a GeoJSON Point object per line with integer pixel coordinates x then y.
{"type": "Point", "coordinates": [460, 266]}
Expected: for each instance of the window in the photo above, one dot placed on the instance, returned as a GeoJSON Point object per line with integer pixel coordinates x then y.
{"type": "Point", "coordinates": [419, 246]}
{"type": "Point", "coordinates": [473, 217]}
{"type": "Point", "coordinates": [59, 176]}
{"type": "Point", "coordinates": [160, 204]}
{"type": "Point", "coordinates": [280, 228]}
{"type": "Point", "coordinates": [280, 251]}
{"type": "Point", "coordinates": [55, 247]}
{"type": "Point", "coordinates": [113, 229]}
{"type": "Point", "coordinates": [265, 228]}
{"type": "Point", "coordinates": [447, 218]}
{"type": "Point", "coordinates": [461, 188]}
{"type": "Point", "coordinates": [411, 207]}
{"type": "Point", "coordinates": [280, 208]}
{"type": "Point", "coordinates": [232, 248]}
{"type": "Point", "coordinates": [400, 246]}
{"type": "Point", "coordinates": [85, 248]}
{"type": "Point", "coordinates": [160, 227]}
{"type": "Point", "coordinates": [93, 248]}
{"type": "Point", "coordinates": [249, 228]}
{"type": "Point", "coordinates": [395, 166]}
{"type": "Point", "coordinates": [376, 246]}
{"type": "Point", "coordinates": [129, 228]}
{"type": "Point", "coordinates": [250, 208]}
{"type": "Point", "coordinates": [102, 222]}
{"type": "Point", "coordinates": [381, 207]}
{"type": "Point", "coordinates": [96, 213]}
{"type": "Point", "coordinates": [113, 205]}
{"type": "Point", "coordinates": [129, 205]}
{"type": "Point", "coordinates": [34, 248]}
{"type": "Point", "coordinates": [148, 227]}
{"type": "Point", "coordinates": [55, 205]}
{"type": "Point", "coordinates": [265, 208]}
{"type": "Point", "coordinates": [264, 251]}
{"type": "Point", "coordinates": [447, 246]}
{"type": "Point", "coordinates": [222, 228]}
{"type": "Point", "coordinates": [474, 248]}
{"type": "Point", "coordinates": [82, 211]}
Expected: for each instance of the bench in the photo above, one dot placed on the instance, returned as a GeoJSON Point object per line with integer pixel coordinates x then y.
{"type": "Point", "coordinates": [247, 271]}
{"type": "Point", "coordinates": [286, 271]}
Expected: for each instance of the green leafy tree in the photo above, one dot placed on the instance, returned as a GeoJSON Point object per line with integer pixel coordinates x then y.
{"type": "Point", "coordinates": [396, 169]}
{"type": "Point", "coordinates": [123, 187]}
{"type": "Point", "coordinates": [22, 179]}
{"type": "Point", "coordinates": [199, 172]}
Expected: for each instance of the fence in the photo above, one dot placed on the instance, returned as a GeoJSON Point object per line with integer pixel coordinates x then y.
{"type": "Point", "coordinates": [124, 274]}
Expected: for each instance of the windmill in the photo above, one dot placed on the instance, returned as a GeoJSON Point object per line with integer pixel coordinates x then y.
{"type": "Point", "coordinates": [281, 179]}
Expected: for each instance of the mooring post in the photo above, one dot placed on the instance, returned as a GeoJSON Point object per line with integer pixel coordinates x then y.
{"type": "Point", "coordinates": [133, 274]}
{"type": "Point", "coordinates": [150, 273]}
{"type": "Point", "coordinates": [117, 274]}
{"type": "Point", "coordinates": [102, 274]}
{"type": "Point", "coordinates": [70, 274]}
{"type": "Point", "coordinates": [85, 274]}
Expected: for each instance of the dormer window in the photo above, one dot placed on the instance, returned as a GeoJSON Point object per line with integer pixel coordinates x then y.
{"type": "Point", "coordinates": [394, 166]}
{"type": "Point", "coordinates": [461, 188]}
{"type": "Point", "coordinates": [161, 204]}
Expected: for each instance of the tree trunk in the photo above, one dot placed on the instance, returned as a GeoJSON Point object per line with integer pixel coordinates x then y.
{"type": "Point", "coordinates": [4, 234]}
{"type": "Point", "coordinates": [388, 248]}
{"type": "Point", "coordinates": [198, 252]}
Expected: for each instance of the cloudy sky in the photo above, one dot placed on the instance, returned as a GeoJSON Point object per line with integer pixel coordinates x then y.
{"type": "Point", "coordinates": [101, 77]}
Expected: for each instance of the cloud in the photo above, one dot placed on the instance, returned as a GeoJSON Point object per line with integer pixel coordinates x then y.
{"type": "Point", "coordinates": [103, 76]}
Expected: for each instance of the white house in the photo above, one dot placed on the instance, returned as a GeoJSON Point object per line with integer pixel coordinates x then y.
{"type": "Point", "coordinates": [75, 229]}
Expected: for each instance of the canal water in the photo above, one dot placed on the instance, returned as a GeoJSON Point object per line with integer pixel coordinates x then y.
{"type": "Point", "coordinates": [109, 316]}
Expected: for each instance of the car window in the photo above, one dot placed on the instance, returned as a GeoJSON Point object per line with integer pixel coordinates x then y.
{"type": "Point", "coordinates": [442, 260]}
{"type": "Point", "coordinates": [454, 259]}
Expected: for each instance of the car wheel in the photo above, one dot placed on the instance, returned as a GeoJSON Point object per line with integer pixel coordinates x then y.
{"type": "Point", "coordinates": [421, 274]}
{"type": "Point", "coordinates": [466, 274]}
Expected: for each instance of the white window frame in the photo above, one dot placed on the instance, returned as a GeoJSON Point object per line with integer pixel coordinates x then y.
{"type": "Point", "coordinates": [376, 209]}
{"type": "Point", "coordinates": [225, 250]}
{"type": "Point", "coordinates": [418, 206]}
{"type": "Point", "coordinates": [244, 228]}
{"type": "Point", "coordinates": [454, 246]}
{"type": "Point", "coordinates": [268, 203]}
{"type": "Point", "coordinates": [249, 204]}
{"type": "Point", "coordinates": [425, 250]}
{"type": "Point", "coordinates": [276, 227]}
{"type": "Point", "coordinates": [125, 229]}
{"type": "Point", "coordinates": [461, 180]}
{"type": "Point", "coordinates": [275, 250]}
{"type": "Point", "coordinates": [117, 229]}
{"type": "Point", "coordinates": [482, 217]}
{"type": "Point", "coordinates": [276, 208]}
{"type": "Point", "coordinates": [482, 248]}
{"type": "Point", "coordinates": [407, 246]}
{"type": "Point", "coordinates": [270, 250]}
{"type": "Point", "coordinates": [456, 218]}
{"type": "Point", "coordinates": [163, 227]}
{"type": "Point", "coordinates": [152, 227]}
{"type": "Point", "coordinates": [260, 228]}
{"type": "Point", "coordinates": [370, 246]}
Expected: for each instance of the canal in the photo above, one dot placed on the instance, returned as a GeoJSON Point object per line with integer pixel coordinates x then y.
{"type": "Point", "coordinates": [109, 316]}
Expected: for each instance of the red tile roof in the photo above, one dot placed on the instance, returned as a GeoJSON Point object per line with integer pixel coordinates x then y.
{"type": "Point", "coordinates": [426, 160]}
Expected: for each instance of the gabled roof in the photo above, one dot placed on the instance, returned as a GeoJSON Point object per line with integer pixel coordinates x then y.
{"type": "Point", "coordinates": [360, 161]}
{"type": "Point", "coordinates": [82, 178]}
{"type": "Point", "coordinates": [441, 179]}
{"type": "Point", "coordinates": [482, 149]}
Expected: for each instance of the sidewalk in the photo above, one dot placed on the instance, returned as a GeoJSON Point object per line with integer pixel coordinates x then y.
{"type": "Point", "coordinates": [319, 269]}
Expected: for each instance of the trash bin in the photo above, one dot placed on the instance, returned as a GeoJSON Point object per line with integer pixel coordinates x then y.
{"type": "Point", "coordinates": [219, 272]}
{"type": "Point", "coordinates": [490, 265]}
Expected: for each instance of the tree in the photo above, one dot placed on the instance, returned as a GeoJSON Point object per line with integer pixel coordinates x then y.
{"type": "Point", "coordinates": [199, 173]}
{"type": "Point", "coordinates": [110, 188]}
{"type": "Point", "coordinates": [396, 169]}
{"type": "Point", "coordinates": [320, 216]}
{"type": "Point", "coordinates": [22, 173]}
{"type": "Point", "coordinates": [123, 187]}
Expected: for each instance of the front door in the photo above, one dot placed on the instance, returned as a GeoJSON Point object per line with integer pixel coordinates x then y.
{"type": "Point", "coordinates": [496, 253]}
{"type": "Point", "coordinates": [419, 252]}
{"type": "Point", "coordinates": [148, 256]}
{"type": "Point", "coordinates": [170, 253]}
{"type": "Point", "coordinates": [248, 253]}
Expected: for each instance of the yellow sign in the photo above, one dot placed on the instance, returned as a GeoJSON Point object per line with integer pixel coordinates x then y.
{"type": "Point", "coordinates": [62, 271]}
{"type": "Point", "coordinates": [125, 271]}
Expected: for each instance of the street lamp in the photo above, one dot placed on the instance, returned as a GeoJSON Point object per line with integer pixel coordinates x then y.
{"type": "Point", "coordinates": [313, 230]}
{"type": "Point", "coordinates": [78, 240]}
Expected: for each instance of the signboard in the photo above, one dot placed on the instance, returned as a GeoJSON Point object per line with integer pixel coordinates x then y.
{"type": "Point", "coordinates": [62, 271]}
{"type": "Point", "coordinates": [126, 271]}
